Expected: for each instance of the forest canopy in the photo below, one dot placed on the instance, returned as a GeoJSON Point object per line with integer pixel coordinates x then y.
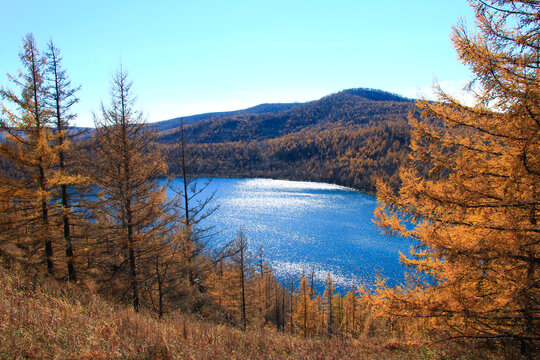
{"type": "Point", "coordinates": [470, 189]}
{"type": "Point", "coordinates": [351, 138]}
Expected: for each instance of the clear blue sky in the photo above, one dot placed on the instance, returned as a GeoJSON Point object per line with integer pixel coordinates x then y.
{"type": "Point", "coordinates": [189, 57]}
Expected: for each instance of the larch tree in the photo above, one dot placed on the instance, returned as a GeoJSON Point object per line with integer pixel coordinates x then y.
{"type": "Point", "coordinates": [241, 259]}
{"type": "Point", "coordinates": [262, 280]}
{"type": "Point", "coordinates": [350, 309]}
{"type": "Point", "coordinates": [329, 303]}
{"type": "Point", "coordinates": [28, 147]}
{"type": "Point", "coordinates": [303, 308]}
{"type": "Point", "coordinates": [60, 99]}
{"type": "Point", "coordinates": [223, 287]}
{"type": "Point", "coordinates": [195, 208]}
{"type": "Point", "coordinates": [162, 263]}
{"type": "Point", "coordinates": [126, 172]}
{"type": "Point", "coordinates": [470, 191]}
{"type": "Point", "coordinates": [312, 282]}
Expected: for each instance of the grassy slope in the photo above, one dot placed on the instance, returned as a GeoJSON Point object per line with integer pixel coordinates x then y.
{"type": "Point", "coordinates": [42, 319]}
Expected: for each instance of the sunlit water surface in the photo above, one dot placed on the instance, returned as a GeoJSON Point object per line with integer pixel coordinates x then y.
{"type": "Point", "coordinates": [305, 226]}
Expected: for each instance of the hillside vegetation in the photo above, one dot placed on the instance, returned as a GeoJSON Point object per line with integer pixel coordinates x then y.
{"type": "Point", "coordinates": [350, 138]}
{"type": "Point", "coordinates": [43, 319]}
{"type": "Point", "coordinates": [86, 231]}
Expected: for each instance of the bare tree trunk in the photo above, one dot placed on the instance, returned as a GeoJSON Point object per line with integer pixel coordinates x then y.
{"type": "Point", "coordinates": [132, 261]}
{"type": "Point", "coordinates": [45, 224]}
{"type": "Point", "coordinates": [44, 205]}
{"type": "Point", "coordinates": [187, 219]}
{"type": "Point", "coordinates": [159, 280]}
{"type": "Point", "coordinates": [72, 276]}
{"type": "Point", "coordinates": [283, 312]}
{"type": "Point", "coordinates": [277, 308]}
{"type": "Point", "coordinates": [243, 285]}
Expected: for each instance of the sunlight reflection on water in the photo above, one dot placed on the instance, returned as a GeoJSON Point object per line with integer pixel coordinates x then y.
{"type": "Point", "coordinates": [304, 226]}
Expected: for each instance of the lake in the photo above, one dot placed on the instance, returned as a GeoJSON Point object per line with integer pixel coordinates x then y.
{"type": "Point", "coordinates": [304, 226]}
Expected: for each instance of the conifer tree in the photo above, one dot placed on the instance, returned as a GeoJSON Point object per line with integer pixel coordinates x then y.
{"type": "Point", "coordinates": [303, 307]}
{"type": "Point", "coordinates": [241, 260]}
{"type": "Point", "coordinates": [263, 287]}
{"type": "Point", "coordinates": [329, 303]}
{"type": "Point", "coordinates": [318, 315]}
{"type": "Point", "coordinates": [312, 282]}
{"type": "Point", "coordinates": [279, 306]}
{"type": "Point", "coordinates": [470, 189]}
{"type": "Point", "coordinates": [193, 208]}
{"type": "Point", "coordinates": [27, 146]}
{"type": "Point", "coordinates": [164, 284]}
{"type": "Point", "coordinates": [126, 172]}
{"type": "Point", "coordinates": [61, 97]}
{"type": "Point", "coordinates": [350, 311]}
{"type": "Point", "coordinates": [224, 288]}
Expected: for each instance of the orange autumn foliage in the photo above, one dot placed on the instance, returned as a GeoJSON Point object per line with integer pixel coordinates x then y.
{"type": "Point", "coordinates": [470, 190]}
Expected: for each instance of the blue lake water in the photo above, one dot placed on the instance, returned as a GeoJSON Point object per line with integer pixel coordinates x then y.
{"type": "Point", "coordinates": [304, 226]}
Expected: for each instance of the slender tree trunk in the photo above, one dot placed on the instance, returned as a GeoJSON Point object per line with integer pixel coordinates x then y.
{"type": "Point", "coordinates": [45, 219]}
{"type": "Point", "coordinates": [128, 210]}
{"type": "Point", "coordinates": [72, 276]}
{"type": "Point", "coordinates": [184, 174]}
{"type": "Point", "coordinates": [330, 315]}
{"type": "Point", "coordinates": [187, 219]}
{"type": "Point", "coordinates": [283, 313]}
{"type": "Point", "coordinates": [243, 286]}
{"type": "Point", "coordinates": [42, 180]}
{"type": "Point", "coordinates": [45, 224]}
{"type": "Point", "coordinates": [312, 283]}
{"type": "Point", "coordinates": [291, 305]}
{"type": "Point", "coordinates": [527, 346]}
{"type": "Point", "coordinates": [277, 312]}
{"type": "Point", "coordinates": [160, 289]}
{"type": "Point", "coordinates": [132, 261]}
{"type": "Point", "coordinates": [131, 251]}
{"type": "Point", "coordinates": [354, 315]}
{"type": "Point", "coordinates": [305, 313]}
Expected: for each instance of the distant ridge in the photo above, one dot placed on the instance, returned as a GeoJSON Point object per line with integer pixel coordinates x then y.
{"type": "Point", "coordinates": [348, 107]}
{"type": "Point", "coordinates": [352, 138]}
{"type": "Point", "coordinates": [274, 108]}
{"type": "Point", "coordinates": [376, 95]}
{"type": "Point", "coordinates": [258, 109]}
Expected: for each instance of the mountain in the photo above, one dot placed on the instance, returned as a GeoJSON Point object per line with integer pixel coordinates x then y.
{"type": "Point", "coordinates": [350, 138]}
{"type": "Point", "coordinates": [259, 109]}
{"type": "Point", "coordinates": [376, 95]}
{"type": "Point", "coordinates": [345, 108]}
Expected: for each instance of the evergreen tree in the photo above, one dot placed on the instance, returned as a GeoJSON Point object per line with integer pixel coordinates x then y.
{"type": "Point", "coordinates": [164, 285]}
{"type": "Point", "coordinates": [303, 307]}
{"type": "Point", "coordinates": [29, 150]}
{"type": "Point", "coordinates": [126, 173]}
{"type": "Point", "coordinates": [470, 189]}
{"type": "Point", "coordinates": [241, 260]}
{"type": "Point", "coordinates": [193, 208]}
{"type": "Point", "coordinates": [61, 97]}
{"type": "Point", "coordinates": [329, 303]}
{"type": "Point", "coordinates": [350, 310]}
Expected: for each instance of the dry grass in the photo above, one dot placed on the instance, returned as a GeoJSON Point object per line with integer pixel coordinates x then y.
{"type": "Point", "coordinates": [42, 319]}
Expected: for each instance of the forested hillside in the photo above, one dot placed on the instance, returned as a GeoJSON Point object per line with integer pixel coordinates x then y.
{"type": "Point", "coordinates": [259, 109]}
{"type": "Point", "coordinates": [100, 259]}
{"type": "Point", "coordinates": [349, 138]}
